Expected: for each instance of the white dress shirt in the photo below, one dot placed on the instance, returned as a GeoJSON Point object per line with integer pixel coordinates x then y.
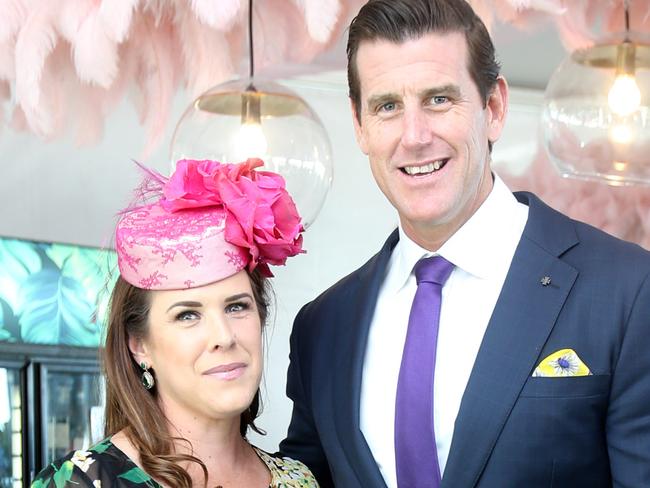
{"type": "Point", "coordinates": [481, 250]}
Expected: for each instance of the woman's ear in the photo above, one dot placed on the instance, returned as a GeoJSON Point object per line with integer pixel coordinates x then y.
{"type": "Point", "coordinates": [139, 351]}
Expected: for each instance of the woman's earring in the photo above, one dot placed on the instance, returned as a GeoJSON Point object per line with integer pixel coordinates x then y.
{"type": "Point", "coordinates": [147, 377]}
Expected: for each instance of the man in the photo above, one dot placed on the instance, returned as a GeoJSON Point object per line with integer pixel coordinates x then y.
{"type": "Point", "coordinates": [539, 373]}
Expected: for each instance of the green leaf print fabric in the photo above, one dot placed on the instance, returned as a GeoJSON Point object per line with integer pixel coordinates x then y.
{"type": "Point", "coordinates": [104, 465]}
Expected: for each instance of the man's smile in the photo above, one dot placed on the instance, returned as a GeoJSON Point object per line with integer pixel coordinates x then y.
{"type": "Point", "coordinates": [425, 169]}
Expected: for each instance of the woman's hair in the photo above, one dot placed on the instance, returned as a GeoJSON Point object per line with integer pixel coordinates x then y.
{"type": "Point", "coordinates": [132, 408]}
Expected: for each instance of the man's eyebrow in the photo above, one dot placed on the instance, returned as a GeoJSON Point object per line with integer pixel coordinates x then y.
{"type": "Point", "coordinates": [377, 100]}
{"type": "Point", "coordinates": [448, 90]}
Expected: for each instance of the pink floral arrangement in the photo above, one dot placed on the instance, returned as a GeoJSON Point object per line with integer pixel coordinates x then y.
{"type": "Point", "coordinates": [260, 214]}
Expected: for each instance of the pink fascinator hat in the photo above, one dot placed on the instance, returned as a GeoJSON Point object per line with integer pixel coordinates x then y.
{"type": "Point", "coordinates": [209, 221]}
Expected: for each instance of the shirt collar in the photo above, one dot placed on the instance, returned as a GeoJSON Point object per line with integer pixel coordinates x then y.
{"type": "Point", "coordinates": [483, 246]}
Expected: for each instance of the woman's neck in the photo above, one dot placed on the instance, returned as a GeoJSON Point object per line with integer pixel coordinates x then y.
{"type": "Point", "coordinates": [208, 437]}
{"type": "Point", "coordinates": [218, 443]}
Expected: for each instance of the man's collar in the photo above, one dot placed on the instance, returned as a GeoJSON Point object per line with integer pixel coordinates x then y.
{"type": "Point", "coordinates": [481, 247]}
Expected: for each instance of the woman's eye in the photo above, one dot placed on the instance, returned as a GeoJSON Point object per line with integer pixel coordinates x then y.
{"type": "Point", "coordinates": [237, 307]}
{"type": "Point", "coordinates": [188, 315]}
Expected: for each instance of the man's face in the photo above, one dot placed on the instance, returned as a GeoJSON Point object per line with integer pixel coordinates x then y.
{"type": "Point", "coordinates": [425, 130]}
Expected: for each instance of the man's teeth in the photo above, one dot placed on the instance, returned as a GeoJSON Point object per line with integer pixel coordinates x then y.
{"type": "Point", "coordinates": [427, 168]}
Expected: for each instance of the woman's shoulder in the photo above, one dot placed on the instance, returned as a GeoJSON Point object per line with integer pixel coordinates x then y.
{"type": "Point", "coordinates": [88, 468]}
{"type": "Point", "coordinates": [287, 472]}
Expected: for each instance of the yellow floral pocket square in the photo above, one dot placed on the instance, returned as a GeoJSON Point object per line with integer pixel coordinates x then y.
{"type": "Point", "coordinates": [564, 362]}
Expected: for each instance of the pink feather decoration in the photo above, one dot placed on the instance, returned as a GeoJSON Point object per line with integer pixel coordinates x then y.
{"type": "Point", "coordinates": [555, 7]}
{"type": "Point", "coordinates": [7, 61]}
{"type": "Point", "coordinates": [95, 54]}
{"type": "Point", "coordinates": [321, 17]}
{"type": "Point", "coordinates": [5, 94]}
{"type": "Point", "coordinates": [156, 75]}
{"type": "Point", "coordinates": [282, 35]}
{"type": "Point", "coordinates": [220, 15]}
{"type": "Point", "coordinates": [35, 42]}
{"type": "Point", "coordinates": [14, 13]}
{"type": "Point", "coordinates": [205, 54]}
{"type": "Point", "coordinates": [68, 63]}
{"type": "Point", "coordinates": [70, 15]}
{"type": "Point", "coordinates": [116, 17]}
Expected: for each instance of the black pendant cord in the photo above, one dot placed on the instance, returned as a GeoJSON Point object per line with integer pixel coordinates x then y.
{"type": "Point", "coordinates": [251, 59]}
{"type": "Point", "coordinates": [626, 7]}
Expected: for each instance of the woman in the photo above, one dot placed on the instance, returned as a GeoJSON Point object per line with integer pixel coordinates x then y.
{"type": "Point", "coordinates": [183, 353]}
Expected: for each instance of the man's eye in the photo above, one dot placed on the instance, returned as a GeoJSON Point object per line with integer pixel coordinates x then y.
{"type": "Point", "coordinates": [237, 307]}
{"type": "Point", "coordinates": [188, 315]}
{"type": "Point", "coordinates": [387, 107]}
{"type": "Point", "coordinates": [439, 100]}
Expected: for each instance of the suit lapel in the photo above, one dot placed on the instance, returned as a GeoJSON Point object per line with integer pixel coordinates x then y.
{"type": "Point", "coordinates": [347, 380]}
{"type": "Point", "coordinates": [522, 320]}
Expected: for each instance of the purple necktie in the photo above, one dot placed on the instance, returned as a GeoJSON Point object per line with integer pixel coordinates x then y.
{"type": "Point", "coordinates": [416, 455]}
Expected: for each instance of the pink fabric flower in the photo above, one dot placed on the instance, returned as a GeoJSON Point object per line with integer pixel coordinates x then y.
{"type": "Point", "coordinates": [261, 217]}
{"type": "Point", "coordinates": [191, 186]}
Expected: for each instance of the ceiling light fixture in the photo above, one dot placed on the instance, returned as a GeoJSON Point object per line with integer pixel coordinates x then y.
{"type": "Point", "coordinates": [596, 116]}
{"type": "Point", "coordinates": [255, 118]}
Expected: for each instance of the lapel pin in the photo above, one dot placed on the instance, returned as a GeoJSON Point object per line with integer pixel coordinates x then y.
{"type": "Point", "coordinates": [545, 281]}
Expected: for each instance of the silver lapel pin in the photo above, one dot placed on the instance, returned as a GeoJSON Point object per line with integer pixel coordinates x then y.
{"type": "Point", "coordinates": [545, 281]}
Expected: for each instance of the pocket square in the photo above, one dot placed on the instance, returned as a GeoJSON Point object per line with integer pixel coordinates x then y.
{"type": "Point", "coordinates": [564, 362]}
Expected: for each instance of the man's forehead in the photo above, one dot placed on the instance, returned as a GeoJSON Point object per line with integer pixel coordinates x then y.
{"type": "Point", "coordinates": [402, 62]}
{"type": "Point", "coordinates": [433, 36]}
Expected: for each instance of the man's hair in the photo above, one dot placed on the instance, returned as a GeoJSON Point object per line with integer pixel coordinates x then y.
{"type": "Point", "coordinates": [400, 20]}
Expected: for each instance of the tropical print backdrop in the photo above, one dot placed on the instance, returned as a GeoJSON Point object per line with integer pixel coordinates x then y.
{"type": "Point", "coordinates": [53, 293]}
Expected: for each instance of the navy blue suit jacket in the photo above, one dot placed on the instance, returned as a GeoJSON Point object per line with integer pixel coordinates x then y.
{"type": "Point", "coordinates": [512, 430]}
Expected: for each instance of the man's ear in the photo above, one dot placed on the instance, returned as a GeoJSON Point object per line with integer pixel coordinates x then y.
{"type": "Point", "coordinates": [139, 351]}
{"type": "Point", "coordinates": [359, 133]}
{"type": "Point", "coordinates": [497, 109]}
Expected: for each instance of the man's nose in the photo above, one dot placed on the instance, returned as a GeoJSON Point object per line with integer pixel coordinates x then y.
{"type": "Point", "coordinates": [416, 130]}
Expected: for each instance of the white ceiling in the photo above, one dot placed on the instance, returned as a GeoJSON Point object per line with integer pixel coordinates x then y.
{"type": "Point", "coordinates": [528, 58]}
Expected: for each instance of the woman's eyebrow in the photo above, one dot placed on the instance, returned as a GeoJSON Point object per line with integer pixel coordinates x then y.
{"type": "Point", "coordinates": [185, 304]}
{"type": "Point", "coordinates": [239, 296]}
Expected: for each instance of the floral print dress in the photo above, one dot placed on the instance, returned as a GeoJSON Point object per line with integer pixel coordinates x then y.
{"type": "Point", "coordinates": [104, 465]}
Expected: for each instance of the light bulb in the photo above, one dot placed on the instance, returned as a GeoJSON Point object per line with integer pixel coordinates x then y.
{"type": "Point", "coordinates": [620, 165]}
{"type": "Point", "coordinates": [624, 96]}
{"type": "Point", "coordinates": [620, 133]}
{"type": "Point", "coordinates": [250, 141]}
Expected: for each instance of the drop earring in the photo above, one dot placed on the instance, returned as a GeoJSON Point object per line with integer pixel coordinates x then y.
{"type": "Point", "coordinates": [146, 378]}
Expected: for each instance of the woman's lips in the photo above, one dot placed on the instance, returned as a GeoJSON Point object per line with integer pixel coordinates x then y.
{"type": "Point", "coordinates": [229, 371]}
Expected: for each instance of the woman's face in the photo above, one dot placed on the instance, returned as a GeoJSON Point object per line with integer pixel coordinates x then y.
{"type": "Point", "coordinates": [205, 347]}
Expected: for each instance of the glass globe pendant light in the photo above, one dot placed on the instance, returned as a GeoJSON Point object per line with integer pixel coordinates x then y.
{"type": "Point", "coordinates": [596, 114]}
{"type": "Point", "coordinates": [253, 118]}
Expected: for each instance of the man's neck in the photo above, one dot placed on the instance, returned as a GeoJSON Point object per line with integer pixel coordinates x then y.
{"type": "Point", "coordinates": [431, 236]}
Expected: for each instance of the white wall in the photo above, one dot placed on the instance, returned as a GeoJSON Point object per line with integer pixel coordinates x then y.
{"type": "Point", "coordinates": [57, 192]}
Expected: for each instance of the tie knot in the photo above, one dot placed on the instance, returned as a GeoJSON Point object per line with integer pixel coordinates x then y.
{"type": "Point", "coordinates": [434, 269]}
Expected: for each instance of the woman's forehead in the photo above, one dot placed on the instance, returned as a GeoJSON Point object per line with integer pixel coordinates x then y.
{"type": "Point", "coordinates": [217, 291]}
